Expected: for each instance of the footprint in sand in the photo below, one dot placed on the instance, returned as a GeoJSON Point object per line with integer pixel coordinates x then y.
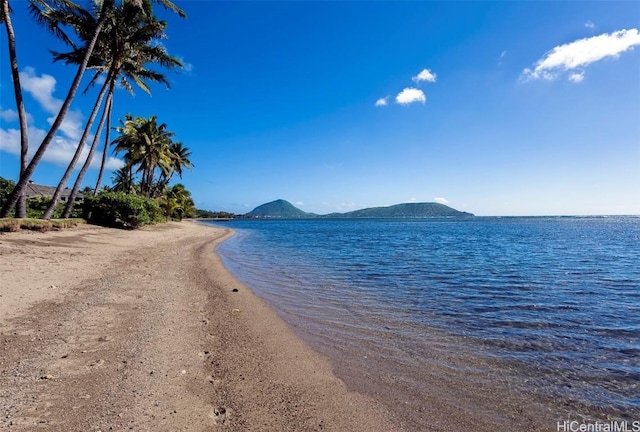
{"type": "Point", "coordinates": [221, 415]}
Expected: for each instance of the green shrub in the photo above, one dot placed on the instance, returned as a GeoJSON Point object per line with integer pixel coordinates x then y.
{"type": "Point", "coordinates": [78, 209]}
{"type": "Point", "coordinates": [121, 210]}
{"type": "Point", "coordinates": [6, 187]}
{"type": "Point", "coordinates": [152, 207]}
{"type": "Point", "coordinates": [37, 205]}
{"type": "Point", "coordinates": [176, 203]}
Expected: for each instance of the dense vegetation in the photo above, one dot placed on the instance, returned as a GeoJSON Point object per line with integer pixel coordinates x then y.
{"type": "Point", "coordinates": [119, 209]}
{"type": "Point", "coordinates": [208, 214]}
{"type": "Point", "coordinates": [119, 41]}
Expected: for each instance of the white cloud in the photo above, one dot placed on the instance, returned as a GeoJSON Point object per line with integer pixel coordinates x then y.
{"type": "Point", "coordinates": [101, 79]}
{"type": "Point", "coordinates": [41, 88]}
{"type": "Point", "coordinates": [425, 75]}
{"type": "Point", "coordinates": [410, 95]}
{"type": "Point", "coordinates": [576, 77]}
{"type": "Point", "coordinates": [382, 101]}
{"type": "Point", "coordinates": [8, 115]}
{"type": "Point", "coordinates": [72, 126]}
{"type": "Point", "coordinates": [590, 25]}
{"type": "Point", "coordinates": [299, 203]}
{"type": "Point", "coordinates": [503, 54]}
{"type": "Point", "coordinates": [582, 53]}
{"type": "Point", "coordinates": [10, 139]}
{"type": "Point", "coordinates": [412, 200]}
{"type": "Point", "coordinates": [441, 200]}
{"type": "Point", "coordinates": [187, 68]}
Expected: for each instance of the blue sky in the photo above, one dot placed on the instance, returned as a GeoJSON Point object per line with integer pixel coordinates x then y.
{"type": "Point", "coordinates": [496, 108]}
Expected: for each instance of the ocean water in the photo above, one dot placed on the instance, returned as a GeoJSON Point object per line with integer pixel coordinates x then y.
{"type": "Point", "coordinates": [505, 314]}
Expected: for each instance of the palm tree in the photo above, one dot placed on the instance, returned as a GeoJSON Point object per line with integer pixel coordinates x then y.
{"type": "Point", "coordinates": [127, 45]}
{"type": "Point", "coordinates": [169, 206]}
{"type": "Point", "coordinates": [5, 17]}
{"type": "Point", "coordinates": [177, 202]}
{"type": "Point", "coordinates": [147, 146]}
{"type": "Point", "coordinates": [55, 14]}
{"type": "Point", "coordinates": [179, 160]}
{"type": "Point", "coordinates": [123, 180]}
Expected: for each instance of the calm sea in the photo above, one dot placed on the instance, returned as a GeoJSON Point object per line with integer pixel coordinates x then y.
{"type": "Point", "coordinates": [489, 315]}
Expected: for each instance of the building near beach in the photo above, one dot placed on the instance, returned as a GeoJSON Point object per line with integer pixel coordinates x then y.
{"type": "Point", "coordinates": [36, 190]}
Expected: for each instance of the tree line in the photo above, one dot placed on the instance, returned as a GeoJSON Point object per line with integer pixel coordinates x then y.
{"type": "Point", "coordinates": [118, 42]}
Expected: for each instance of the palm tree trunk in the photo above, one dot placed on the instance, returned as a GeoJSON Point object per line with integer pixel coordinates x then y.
{"type": "Point", "coordinates": [74, 191]}
{"type": "Point", "coordinates": [21, 210]}
{"type": "Point", "coordinates": [130, 179]}
{"type": "Point", "coordinates": [150, 181]}
{"type": "Point", "coordinates": [83, 139]}
{"type": "Point", "coordinates": [25, 176]}
{"type": "Point", "coordinates": [144, 182]}
{"type": "Point", "coordinates": [106, 146]}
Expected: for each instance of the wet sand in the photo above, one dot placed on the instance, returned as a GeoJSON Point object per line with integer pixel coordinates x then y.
{"type": "Point", "coordinates": [102, 329]}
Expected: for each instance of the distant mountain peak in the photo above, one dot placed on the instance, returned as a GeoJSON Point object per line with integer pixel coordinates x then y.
{"type": "Point", "coordinates": [279, 209]}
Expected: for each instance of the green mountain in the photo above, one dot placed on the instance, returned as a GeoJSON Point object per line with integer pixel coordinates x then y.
{"type": "Point", "coordinates": [408, 210]}
{"type": "Point", "coordinates": [286, 210]}
{"type": "Point", "coordinates": [279, 209]}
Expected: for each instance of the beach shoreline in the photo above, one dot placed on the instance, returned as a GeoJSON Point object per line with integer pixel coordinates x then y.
{"type": "Point", "coordinates": [429, 378]}
{"type": "Point", "coordinates": [146, 330]}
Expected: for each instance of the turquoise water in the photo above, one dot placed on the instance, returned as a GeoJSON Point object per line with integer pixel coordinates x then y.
{"type": "Point", "coordinates": [548, 308]}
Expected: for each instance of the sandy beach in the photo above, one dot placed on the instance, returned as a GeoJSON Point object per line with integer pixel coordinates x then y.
{"type": "Point", "coordinates": [102, 329]}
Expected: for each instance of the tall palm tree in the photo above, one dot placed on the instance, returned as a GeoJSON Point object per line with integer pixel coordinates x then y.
{"type": "Point", "coordinates": [105, 148]}
{"type": "Point", "coordinates": [54, 14]}
{"type": "Point", "coordinates": [127, 45]}
{"type": "Point", "coordinates": [5, 17]}
{"type": "Point", "coordinates": [85, 134]}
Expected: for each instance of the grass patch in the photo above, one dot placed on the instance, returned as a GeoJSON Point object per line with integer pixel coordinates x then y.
{"type": "Point", "coordinates": [13, 225]}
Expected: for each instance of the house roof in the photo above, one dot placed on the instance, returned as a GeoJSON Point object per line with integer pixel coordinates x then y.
{"type": "Point", "coordinates": [34, 190]}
